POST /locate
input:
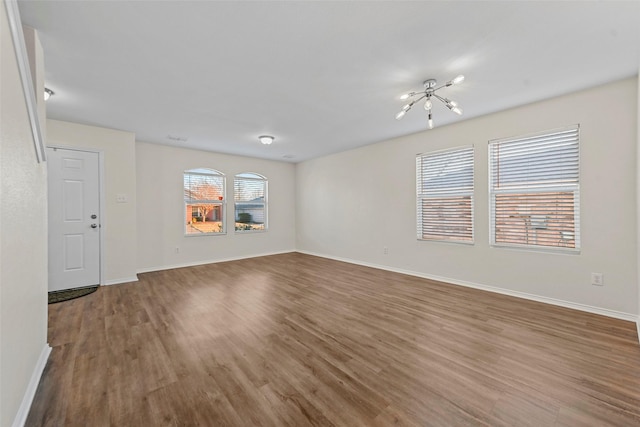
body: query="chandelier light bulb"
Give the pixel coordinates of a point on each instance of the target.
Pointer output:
(453, 106)
(407, 95)
(400, 115)
(459, 79)
(430, 122)
(428, 105)
(47, 93)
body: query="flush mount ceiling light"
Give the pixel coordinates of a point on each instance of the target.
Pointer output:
(266, 139)
(48, 93)
(428, 93)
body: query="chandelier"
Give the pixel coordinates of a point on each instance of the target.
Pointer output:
(428, 93)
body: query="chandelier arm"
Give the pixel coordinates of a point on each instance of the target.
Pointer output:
(422, 95)
(440, 98)
(414, 101)
(440, 87)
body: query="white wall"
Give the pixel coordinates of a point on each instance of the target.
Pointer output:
(161, 208)
(352, 204)
(23, 240)
(119, 223)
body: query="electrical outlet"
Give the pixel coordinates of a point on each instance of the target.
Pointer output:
(121, 198)
(385, 250)
(597, 279)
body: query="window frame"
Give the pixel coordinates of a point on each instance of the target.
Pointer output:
(251, 176)
(530, 189)
(464, 190)
(220, 202)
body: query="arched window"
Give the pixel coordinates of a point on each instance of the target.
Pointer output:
(250, 196)
(204, 200)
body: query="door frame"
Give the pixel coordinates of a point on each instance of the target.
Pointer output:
(101, 198)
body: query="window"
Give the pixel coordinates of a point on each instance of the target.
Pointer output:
(204, 202)
(445, 195)
(250, 194)
(534, 190)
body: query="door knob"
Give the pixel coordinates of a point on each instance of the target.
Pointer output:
(94, 225)
(94, 216)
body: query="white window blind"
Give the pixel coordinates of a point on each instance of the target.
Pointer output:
(534, 190)
(204, 201)
(250, 194)
(445, 195)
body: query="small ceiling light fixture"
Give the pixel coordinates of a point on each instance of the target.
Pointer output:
(266, 139)
(428, 93)
(48, 93)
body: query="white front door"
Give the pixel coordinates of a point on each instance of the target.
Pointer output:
(74, 218)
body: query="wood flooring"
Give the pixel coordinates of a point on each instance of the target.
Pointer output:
(296, 340)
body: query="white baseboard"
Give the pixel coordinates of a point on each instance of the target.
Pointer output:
(211, 261)
(568, 304)
(30, 392)
(121, 280)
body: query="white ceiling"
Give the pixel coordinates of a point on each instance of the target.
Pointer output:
(320, 76)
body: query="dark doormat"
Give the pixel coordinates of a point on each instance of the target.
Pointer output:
(67, 294)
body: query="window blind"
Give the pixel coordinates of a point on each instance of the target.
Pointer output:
(534, 190)
(204, 200)
(444, 182)
(250, 196)
(248, 189)
(203, 186)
